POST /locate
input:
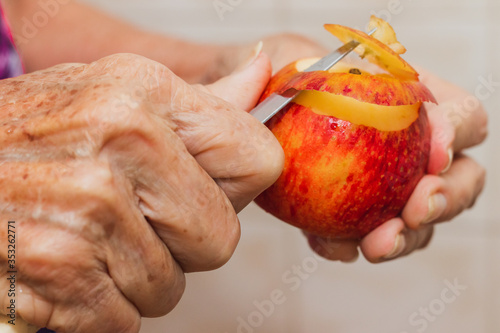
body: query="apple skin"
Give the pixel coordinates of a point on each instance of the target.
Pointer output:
(376, 89)
(341, 180)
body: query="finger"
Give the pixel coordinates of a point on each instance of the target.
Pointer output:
(393, 240)
(334, 249)
(245, 85)
(51, 300)
(232, 146)
(186, 208)
(442, 138)
(440, 198)
(122, 127)
(459, 120)
(255, 163)
(56, 287)
(99, 229)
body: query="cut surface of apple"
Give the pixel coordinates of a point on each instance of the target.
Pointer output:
(383, 118)
(375, 51)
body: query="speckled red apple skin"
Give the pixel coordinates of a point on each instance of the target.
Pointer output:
(342, 180)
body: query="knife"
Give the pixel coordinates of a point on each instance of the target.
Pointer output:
(275, 102)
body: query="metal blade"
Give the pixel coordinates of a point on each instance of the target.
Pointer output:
(274, 103)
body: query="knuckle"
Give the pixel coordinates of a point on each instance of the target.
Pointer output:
(135, 61)
(100, 200)
(97, 186)
(123, 64)
(136, 68)
(219, 234)
(120, 108)
(130, 58)
(468, 195)
(228, 240)
(225, 244)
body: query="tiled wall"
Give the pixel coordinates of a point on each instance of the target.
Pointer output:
(458, 39)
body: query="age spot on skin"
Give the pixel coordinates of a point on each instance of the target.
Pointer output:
(30, 136)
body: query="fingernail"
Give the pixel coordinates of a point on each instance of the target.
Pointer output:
(252, 57)
(350, 259)
(437, 205)
(399, 246)
(450, 160)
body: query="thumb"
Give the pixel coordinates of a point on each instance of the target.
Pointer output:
(244, 86)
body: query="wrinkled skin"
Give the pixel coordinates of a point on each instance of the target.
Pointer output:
(459, 179)
(121, 178)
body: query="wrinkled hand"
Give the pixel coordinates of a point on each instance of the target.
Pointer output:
(452, 185)
(121, 177)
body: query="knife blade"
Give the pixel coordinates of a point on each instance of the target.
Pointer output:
(275, 102)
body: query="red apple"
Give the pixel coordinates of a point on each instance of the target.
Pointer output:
(356, 143)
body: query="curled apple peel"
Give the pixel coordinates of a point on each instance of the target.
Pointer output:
(385, 34)
(376, 51)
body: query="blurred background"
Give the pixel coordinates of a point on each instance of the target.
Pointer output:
(274, 283)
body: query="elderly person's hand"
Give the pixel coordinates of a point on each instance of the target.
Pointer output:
(120, 178)
(452, 185)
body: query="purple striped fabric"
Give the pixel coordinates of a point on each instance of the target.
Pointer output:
(10, 62)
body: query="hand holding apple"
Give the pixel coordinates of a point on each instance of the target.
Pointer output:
(452, 175)
(383, 241)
